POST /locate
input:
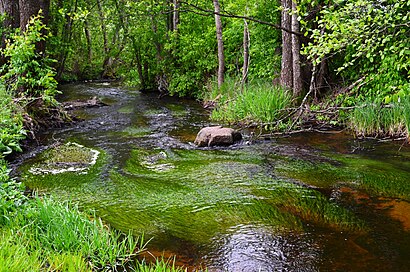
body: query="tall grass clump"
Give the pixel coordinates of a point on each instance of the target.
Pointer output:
(254, 102)
(47, 235)
(59, 237)
(63, 228)
(376, 119)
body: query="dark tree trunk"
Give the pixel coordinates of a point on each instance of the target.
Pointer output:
(29, 8)
(286, 74)
(297, 77)
(11, 9)
(12, 20)
(221, 56)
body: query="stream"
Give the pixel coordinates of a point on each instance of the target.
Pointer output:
(309, 202)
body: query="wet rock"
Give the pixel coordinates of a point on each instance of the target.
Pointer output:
(91, 103)
(217, 136)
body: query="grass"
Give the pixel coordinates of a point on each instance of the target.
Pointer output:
(375, 119)
(48, 235)
(259, 102)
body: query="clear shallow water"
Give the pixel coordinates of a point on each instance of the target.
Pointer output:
(310, 202)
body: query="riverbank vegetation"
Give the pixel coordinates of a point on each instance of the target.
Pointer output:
(331, 56)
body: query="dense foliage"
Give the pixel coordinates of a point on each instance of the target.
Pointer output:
(370, 42)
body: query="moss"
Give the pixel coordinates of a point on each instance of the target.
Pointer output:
(48, 173)
(70, 157)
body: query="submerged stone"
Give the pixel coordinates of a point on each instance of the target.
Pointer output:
(70, 157)
(217, 136)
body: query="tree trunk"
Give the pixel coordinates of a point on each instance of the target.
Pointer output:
(11, 9)
(66, 38)
(246, 55)
(89, 41)
(175, 18)
(297, 77)
(221, 56)
(286, 74)
(29, 8)
(11, 21)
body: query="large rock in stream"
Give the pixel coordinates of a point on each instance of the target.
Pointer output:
(217, 136)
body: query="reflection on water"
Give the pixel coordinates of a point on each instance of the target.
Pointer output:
(310, 202)
(255, 248)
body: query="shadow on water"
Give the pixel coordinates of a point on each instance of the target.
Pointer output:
(310, 202)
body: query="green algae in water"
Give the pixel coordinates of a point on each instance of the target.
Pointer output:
(136, 131)
(378, 177)
(177, 110)
(199, 195)
(208, 192)
(126, 110)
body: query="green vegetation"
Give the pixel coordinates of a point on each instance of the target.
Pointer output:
(195, 194)
(352, 52)
(60, 236)
(356, 55)
(382, 120)
(252, 102)
(41, 233)
(47, 234)
(376, 177)
(11, 124)
(27, 75)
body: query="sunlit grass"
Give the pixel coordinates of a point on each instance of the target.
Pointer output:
(374, 119)
(259, 102)
(50, 233)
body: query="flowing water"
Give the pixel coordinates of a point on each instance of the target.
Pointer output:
(310, 202)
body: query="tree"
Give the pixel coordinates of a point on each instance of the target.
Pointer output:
(290, 76)
(246, 54)
(175, 15)
(221, 56)
(10, 10)
(286, 74)
(29, 8)
(296, 63)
